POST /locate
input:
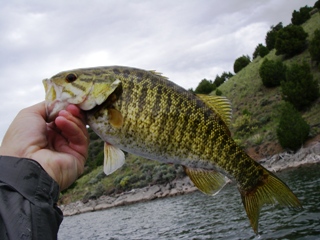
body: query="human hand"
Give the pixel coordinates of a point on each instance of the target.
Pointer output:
(60, 147)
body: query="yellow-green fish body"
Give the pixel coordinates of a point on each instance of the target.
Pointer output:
(144, 113)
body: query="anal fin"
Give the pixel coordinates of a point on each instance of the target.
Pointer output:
(208, 181)
(113, 159)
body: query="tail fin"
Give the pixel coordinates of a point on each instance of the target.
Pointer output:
(269, 191)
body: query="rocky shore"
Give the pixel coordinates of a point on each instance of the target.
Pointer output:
(276, 163)
(177, 187)
(285, 160)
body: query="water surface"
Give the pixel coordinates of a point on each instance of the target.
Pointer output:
(197, 216)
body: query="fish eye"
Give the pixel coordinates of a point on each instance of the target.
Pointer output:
(71, 77)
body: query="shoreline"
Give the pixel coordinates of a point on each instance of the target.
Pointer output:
(174, 188)
(275, 163)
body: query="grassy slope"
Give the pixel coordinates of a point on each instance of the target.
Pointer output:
(247, 94)
(244, 90)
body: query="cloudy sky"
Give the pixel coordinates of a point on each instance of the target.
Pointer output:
(186, 40)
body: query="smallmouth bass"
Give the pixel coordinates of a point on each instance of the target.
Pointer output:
(144, 113)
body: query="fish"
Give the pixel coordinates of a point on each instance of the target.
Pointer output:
(144, 113)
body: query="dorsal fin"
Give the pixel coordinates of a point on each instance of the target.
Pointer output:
(159, 74)
(219, 104)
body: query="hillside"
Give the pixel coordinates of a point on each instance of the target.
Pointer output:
(248, 96)
(255, 132)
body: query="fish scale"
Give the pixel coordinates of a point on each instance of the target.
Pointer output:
(166, 142)
(144, 113)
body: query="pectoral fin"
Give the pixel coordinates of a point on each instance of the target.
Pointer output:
(115, 118)
(208, 181)
(113, 158)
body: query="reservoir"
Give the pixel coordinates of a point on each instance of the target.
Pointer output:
(197, 216)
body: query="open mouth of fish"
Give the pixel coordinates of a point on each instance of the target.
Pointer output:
(54, 104)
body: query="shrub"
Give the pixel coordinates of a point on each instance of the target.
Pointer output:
(314, 47)
(218, 92)
(125, 181)
(299, 17)
(244, 125)
(272, 36)
(240, 63)
(292, 130)
(98, 191)
(272, 73)
(260, 50)
(205, 87)
(99, 159)
(300, 88)
(291, 41)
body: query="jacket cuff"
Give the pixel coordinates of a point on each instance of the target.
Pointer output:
(28, 178)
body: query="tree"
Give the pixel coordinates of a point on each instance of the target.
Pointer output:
(291, 41)
(272, 36)
(272, 72)
(299, 88)
(299, 17)
(260, 50)
(314, 46)
(227, 75)
(224, 77)
(240, 63)
(292, 130)
(205, 87)
(317, 4)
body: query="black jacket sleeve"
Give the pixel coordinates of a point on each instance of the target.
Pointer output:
(28, 197)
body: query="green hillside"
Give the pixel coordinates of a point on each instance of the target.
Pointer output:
(251, 99)
(255, 117)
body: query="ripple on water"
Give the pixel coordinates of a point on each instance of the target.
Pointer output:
(197, 216)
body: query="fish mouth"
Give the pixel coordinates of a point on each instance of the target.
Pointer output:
(53, 104)
(53, 108)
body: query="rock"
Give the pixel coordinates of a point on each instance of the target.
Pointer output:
(86, 209)
(150, 194)
(286, 160)
(91, 203)
(103, 206)
(132, 198)
(192, 189)
(165, 193)
(120, 200)
(173, 192)
(70, 212)
(105, 199)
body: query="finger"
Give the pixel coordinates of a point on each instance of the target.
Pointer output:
(80, 123)
(76, 137)
(71, 130)
(76, 111)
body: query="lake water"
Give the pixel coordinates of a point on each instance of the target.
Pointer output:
(197, 216)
